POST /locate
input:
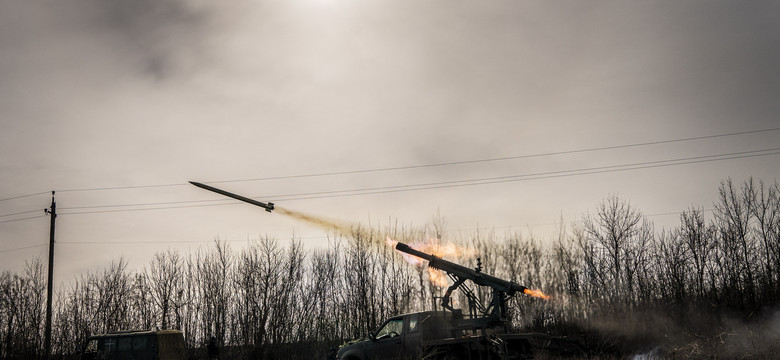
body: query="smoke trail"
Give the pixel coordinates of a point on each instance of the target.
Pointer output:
(342, 228)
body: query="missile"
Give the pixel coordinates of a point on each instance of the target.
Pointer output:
(268, 207)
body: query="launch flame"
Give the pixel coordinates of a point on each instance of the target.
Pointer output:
(537, 293)
(436, 248)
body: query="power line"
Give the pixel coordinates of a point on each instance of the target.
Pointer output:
(20, 213)
(145, 209)
(138, 242)
(24, 196)
(174, 242)
(376, 170)
(570, 222)
(481, 181)
(409, 167)
(27, 218)
(535, 176)
(502, 158)
(21, 248)
(153, 204)
(459, 183)
(122, 187)
(323, 237)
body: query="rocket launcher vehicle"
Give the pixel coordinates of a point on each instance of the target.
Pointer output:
(496, 311)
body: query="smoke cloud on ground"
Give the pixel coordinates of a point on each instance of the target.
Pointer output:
(666, 333)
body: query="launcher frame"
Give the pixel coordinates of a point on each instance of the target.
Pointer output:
(480, 316)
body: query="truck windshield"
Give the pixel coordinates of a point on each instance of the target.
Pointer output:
(391, 328)
(131, 345)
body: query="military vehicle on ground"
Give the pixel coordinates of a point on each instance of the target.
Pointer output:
(135, 344)
(483, 333)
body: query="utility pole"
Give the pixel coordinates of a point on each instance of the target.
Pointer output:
(53, 212)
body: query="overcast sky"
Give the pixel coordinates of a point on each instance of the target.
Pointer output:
(106, 101)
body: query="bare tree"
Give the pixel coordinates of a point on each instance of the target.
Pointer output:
(766, 211)
(610, 233)
(213, 273)
(319, 298)
(521, 260)
(567, 263)
(165, 284)
(360, 284)
(673, 265)
(733, 212)
(22, 299)
(699, 240)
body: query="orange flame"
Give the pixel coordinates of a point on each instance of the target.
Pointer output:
(437, 277)
(537, 293)
(390, 242)
(436, 248)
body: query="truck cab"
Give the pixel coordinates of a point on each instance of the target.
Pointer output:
(135, 344)
(408, 336)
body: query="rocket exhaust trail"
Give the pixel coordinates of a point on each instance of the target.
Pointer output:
(326, 224)
(343, 228)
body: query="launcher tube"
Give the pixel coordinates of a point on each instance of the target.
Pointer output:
(461, 271)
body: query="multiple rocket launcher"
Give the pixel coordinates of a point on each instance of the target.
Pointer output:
(463, 272)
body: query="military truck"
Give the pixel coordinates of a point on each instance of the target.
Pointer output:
(482, 333)
(135, 344)
(434, 335)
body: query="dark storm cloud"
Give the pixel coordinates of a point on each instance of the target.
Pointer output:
(154, 37)
(158, 32)
(63, 62)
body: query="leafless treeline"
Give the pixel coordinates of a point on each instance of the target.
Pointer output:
(275, 297)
